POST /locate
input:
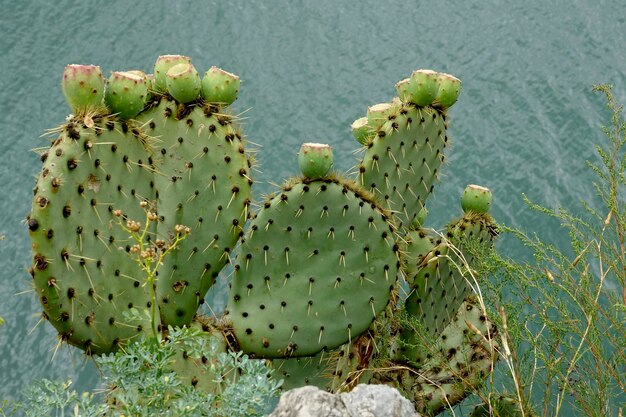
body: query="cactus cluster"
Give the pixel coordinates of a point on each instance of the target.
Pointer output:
(130, 143)
(144, 196)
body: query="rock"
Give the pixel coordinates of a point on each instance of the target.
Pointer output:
(377, 401)
(309, 401)
(363, 401)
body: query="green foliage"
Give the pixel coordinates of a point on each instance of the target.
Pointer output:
(138, 383)
(562, 314)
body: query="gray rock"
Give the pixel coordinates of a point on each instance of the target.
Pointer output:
(377, 401)
(363, 401)
(309, 401)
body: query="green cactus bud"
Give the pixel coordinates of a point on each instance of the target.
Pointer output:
(362, 131)
(219, 86)
(449, 90)
(183, 82)
(315, 160)
(83, 87)
(420, 89)
(162, 65)
(126, 93)
(379, 114)
(476, 199)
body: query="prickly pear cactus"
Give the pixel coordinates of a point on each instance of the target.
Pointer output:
(184, 161)
(446, 334)
(144, 195)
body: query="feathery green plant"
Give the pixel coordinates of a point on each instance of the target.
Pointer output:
(562, 315)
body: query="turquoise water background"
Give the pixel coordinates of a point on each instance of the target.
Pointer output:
(526, 120)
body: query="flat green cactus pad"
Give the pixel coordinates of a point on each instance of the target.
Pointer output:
(463, 355)
(317, 266)
(440, 278)
(403, 155)
(203, 181)
(85, 276)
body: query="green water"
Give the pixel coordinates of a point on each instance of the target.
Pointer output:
(524, 123)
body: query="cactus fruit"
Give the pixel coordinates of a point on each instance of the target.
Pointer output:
(220, 87)
(315, 160)
(183, 82)
(449, 90)
(126, 93)
(83, 87)
(144, 196)
(361, 130)
(420, 89)
(162, 66)
(476, 198)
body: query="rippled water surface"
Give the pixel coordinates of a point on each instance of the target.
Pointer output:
(525, 121)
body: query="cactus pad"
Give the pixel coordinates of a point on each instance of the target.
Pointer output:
(85, 278)
(202, 181)
(403, 157)
(317, 266)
